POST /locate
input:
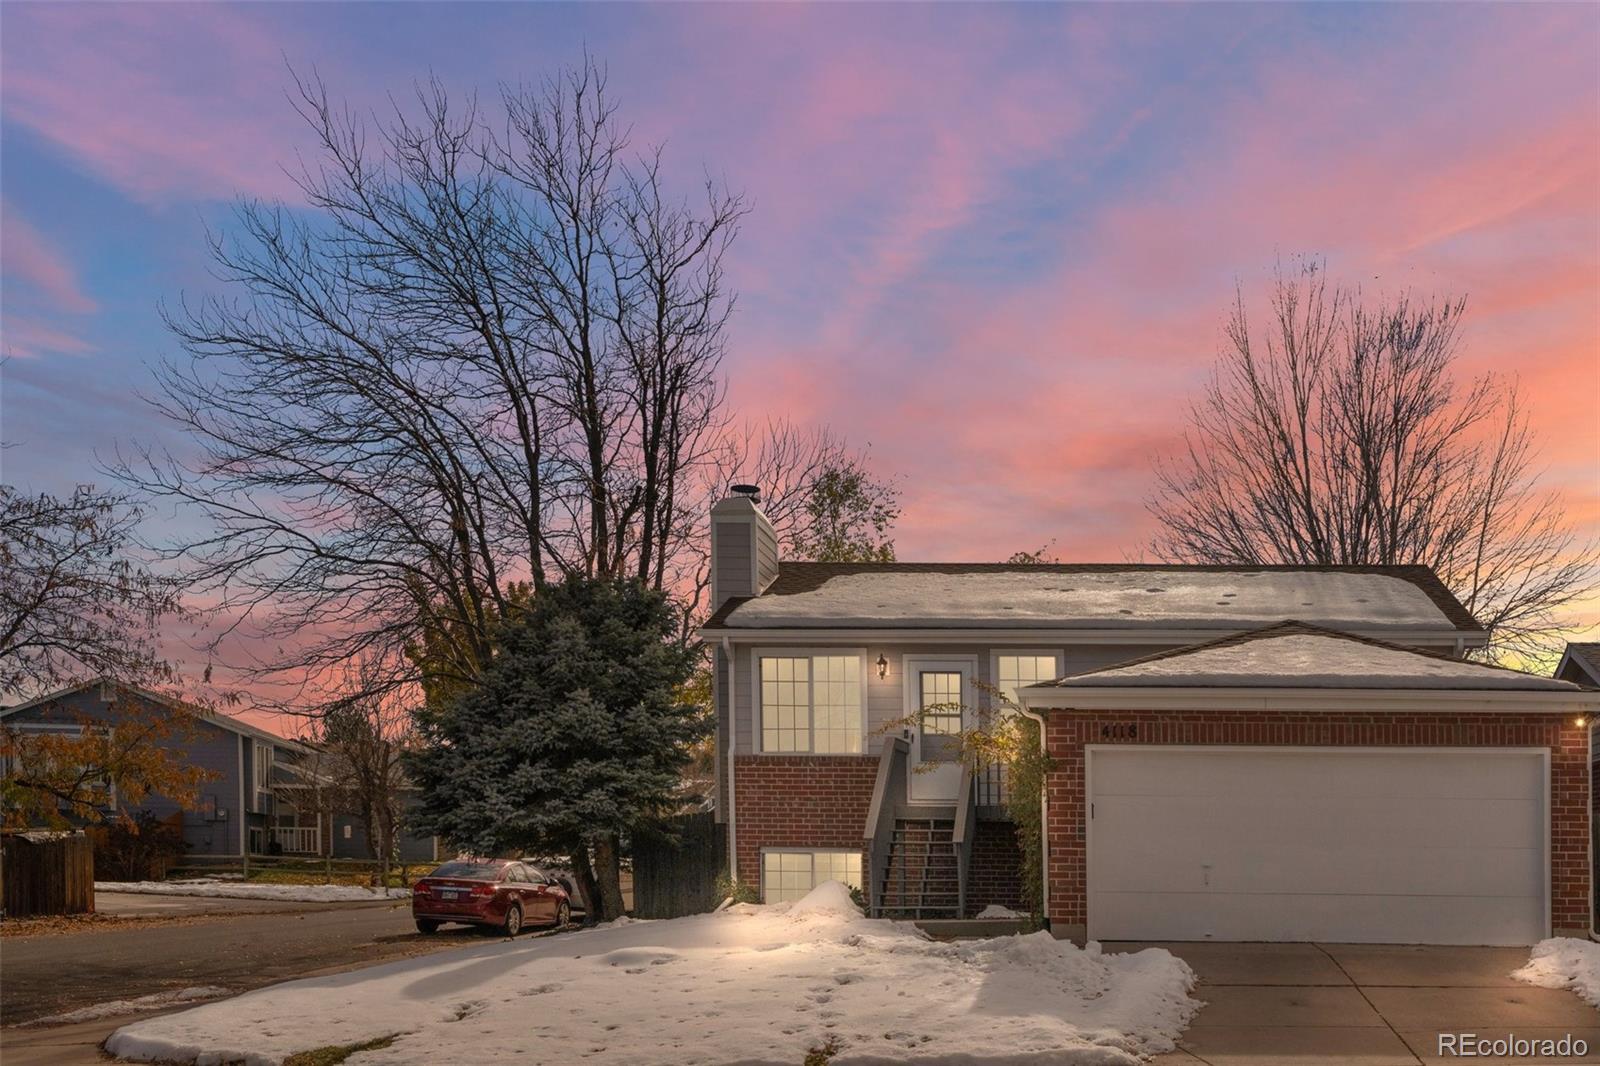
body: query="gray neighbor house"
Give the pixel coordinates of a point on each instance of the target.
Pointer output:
(262, 796)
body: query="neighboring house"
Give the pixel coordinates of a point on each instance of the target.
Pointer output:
(266, 792)
(350, 838)
(1580, 663)
(1218, 773)
(252, 795)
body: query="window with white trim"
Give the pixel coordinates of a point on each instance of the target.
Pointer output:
(811, 703)
(261, 764)
(789, 875)
(1014, 671)
(941, 702)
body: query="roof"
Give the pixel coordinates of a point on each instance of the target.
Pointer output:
(1297, 655)
(1582, 659)
(1397, 599)
(216, 718)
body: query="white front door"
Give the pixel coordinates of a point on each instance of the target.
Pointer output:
(1351, 845)
(939, 692)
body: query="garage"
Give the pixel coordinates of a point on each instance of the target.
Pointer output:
(1295, 783)
(1361, 845)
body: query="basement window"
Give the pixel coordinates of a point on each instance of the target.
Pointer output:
(788, 874)
(811, 703)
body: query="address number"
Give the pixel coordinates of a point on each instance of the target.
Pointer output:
(1123, 731)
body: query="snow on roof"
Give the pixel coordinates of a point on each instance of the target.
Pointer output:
(1294, 655)
(1135, 597)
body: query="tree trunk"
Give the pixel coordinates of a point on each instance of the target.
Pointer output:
(583, 873)
(608, 873)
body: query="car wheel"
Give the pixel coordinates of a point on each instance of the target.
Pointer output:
(563, 914)
(427, 927)
(513, 923)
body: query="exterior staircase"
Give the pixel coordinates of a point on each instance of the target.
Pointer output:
(923, 874)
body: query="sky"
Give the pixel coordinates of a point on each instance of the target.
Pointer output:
(994, 243)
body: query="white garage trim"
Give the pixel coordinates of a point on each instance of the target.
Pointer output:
(1541, 754)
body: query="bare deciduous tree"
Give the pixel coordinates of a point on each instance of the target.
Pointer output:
(74, 600)
(1340, 435)
(488, 357)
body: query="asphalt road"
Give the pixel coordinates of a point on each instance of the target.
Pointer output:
(48, 975)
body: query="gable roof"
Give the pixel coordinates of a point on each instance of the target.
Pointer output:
(216, 718)
(1390, 599)
(1580, 659)
(1297, 655)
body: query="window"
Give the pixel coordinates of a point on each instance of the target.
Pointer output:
(788, 875)
(941, 702)
(1014, 671)
(811, 703)
(261, 778)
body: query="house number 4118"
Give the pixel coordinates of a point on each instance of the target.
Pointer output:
(1120, 731)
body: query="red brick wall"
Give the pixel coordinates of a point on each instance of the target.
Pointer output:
(800, 801)
(1068, 732)
(995, 873)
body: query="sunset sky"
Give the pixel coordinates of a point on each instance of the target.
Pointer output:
(994, 243)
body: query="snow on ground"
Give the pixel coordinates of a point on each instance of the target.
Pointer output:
(994, 910)
(113, 1008)
(236, 890)
(1565, 962)
(750, 984)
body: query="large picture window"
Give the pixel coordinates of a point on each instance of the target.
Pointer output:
(811, 703)
(789, 875)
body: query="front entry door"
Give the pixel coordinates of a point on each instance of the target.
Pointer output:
(939, 691)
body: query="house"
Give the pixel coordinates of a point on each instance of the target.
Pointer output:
(1239, 753)
(1580, 664)
(265, 793)
(254, 784)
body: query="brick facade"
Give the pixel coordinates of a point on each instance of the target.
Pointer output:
(800, 801)
(1068, 732)
(995, 873)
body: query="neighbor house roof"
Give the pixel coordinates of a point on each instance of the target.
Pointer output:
(216, 718)
(1297, 655)
(1397, 599)
(1581, 662)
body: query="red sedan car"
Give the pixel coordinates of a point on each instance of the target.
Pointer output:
(498, 894)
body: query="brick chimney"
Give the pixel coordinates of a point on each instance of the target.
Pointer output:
(744, 548)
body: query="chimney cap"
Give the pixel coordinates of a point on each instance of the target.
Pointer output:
(749, 492)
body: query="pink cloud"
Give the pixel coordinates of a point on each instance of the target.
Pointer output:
(27, 256)
(163, 101)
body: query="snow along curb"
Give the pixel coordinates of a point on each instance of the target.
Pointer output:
(237, 890)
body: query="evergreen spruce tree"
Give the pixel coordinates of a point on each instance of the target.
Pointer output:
(575, 736)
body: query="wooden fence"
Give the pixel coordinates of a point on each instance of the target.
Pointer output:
(675, 871)
(46, 873)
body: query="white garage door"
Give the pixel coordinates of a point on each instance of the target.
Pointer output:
(1369, 845)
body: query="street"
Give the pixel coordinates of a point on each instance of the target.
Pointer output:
(234, 944)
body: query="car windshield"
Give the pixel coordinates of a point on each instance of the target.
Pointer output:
(483, 871)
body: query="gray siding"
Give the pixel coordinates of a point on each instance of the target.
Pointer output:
(210, 747)
(412, 848)
(766, 555)
(730, 555)
(885, 699)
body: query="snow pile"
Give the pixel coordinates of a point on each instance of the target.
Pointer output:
(750, 984)
(236, 890)
(994, 910)
(1565, 963)
(115, 1007)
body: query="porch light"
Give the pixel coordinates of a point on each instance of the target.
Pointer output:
(883, 667)
(1580, 721)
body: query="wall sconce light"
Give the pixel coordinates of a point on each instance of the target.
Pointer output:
(1581, 721)
(883, 667)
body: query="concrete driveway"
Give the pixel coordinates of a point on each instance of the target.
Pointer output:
(1363, 1004)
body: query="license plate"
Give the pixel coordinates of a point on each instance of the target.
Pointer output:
(449, 893)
